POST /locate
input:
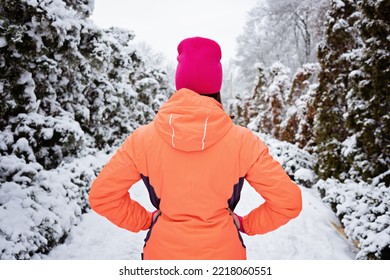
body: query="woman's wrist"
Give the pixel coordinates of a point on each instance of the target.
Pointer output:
(240, 219)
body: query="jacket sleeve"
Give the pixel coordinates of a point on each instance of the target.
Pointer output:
(283, 198)
(109, 195)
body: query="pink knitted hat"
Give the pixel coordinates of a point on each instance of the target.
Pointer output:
(199, 67)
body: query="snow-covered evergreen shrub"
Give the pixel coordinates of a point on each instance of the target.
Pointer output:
(41, 77)
(38, 207)
(296, 162)
(46, 139)
(364, 210)
(67, 88)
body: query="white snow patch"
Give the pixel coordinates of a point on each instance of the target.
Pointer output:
(338, 3)
(304, 174)
(310, 236)
(3, 42)
(349, 145)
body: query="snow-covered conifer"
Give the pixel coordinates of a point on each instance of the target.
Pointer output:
(272, 107)
(336, 56)
(368, 98)
(298, 122)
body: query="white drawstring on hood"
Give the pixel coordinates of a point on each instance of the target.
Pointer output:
(173, 130)
(204, 132)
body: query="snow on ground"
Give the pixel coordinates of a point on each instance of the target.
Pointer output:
(310, 236)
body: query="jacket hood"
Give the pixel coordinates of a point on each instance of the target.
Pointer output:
(191, 122)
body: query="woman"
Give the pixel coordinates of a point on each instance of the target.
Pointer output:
(193, 161)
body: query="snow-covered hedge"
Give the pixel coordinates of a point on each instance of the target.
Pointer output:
(67, 88)
(39, 207)
(364, 210)
(296, 162)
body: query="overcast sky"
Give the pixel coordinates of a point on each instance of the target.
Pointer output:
(164, 23)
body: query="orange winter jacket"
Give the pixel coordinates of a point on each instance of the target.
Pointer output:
(193, 161)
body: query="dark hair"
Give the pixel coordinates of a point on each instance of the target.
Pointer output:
(216, 96)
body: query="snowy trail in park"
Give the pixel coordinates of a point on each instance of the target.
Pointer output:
(311, 236)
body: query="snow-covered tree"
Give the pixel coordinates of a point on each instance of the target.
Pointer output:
(272, 100)
(237, 109)
(353, 92)
(298, 122)
(122, 91)
(84, 7)
(338, 55)
(255, 99)
(280, 30)
(368, 98)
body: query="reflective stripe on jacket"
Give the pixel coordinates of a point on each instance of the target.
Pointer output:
(194, 160)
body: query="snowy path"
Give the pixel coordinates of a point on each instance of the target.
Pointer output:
(308, 237)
